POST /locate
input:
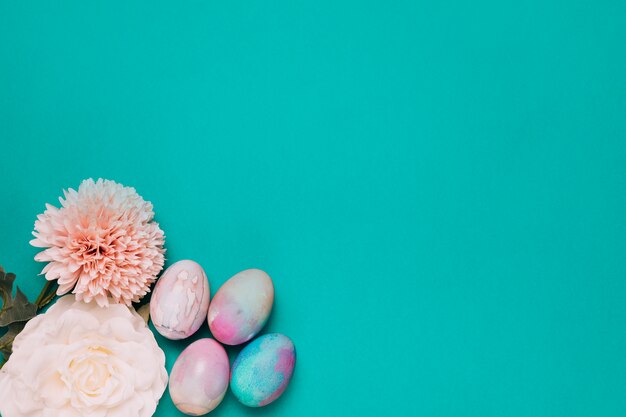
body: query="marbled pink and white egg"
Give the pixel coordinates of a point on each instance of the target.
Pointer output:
(241, 307)
(199, 377)
(180, 300)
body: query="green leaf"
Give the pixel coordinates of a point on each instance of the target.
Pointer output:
(6, 341)
(14, 309)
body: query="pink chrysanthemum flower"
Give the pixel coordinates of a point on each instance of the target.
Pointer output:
(102, 243)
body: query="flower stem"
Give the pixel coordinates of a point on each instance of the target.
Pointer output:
(44, 298)
(47, 299)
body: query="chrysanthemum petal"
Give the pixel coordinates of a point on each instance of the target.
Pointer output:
(102, 243)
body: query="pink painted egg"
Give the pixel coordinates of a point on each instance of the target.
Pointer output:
(180, 300)
(241, 307)
(199, 377)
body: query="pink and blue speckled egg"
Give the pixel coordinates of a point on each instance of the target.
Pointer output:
(199, 377)
(180, 300)
(263, 370)
(241, 307)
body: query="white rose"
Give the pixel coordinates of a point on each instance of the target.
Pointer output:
(82, 360)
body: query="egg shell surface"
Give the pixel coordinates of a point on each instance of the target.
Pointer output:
(180, 300)
(199, 377)
(241, 307)
(263, 369)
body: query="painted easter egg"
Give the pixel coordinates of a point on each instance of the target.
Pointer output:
(263, 370)
(241, 307)
(180, 300)
(199, 377)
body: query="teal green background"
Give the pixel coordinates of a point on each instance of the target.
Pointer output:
(437, 190)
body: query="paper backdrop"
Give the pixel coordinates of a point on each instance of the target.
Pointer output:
(436, 188)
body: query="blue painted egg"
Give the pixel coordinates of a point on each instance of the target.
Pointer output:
(263, 370)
